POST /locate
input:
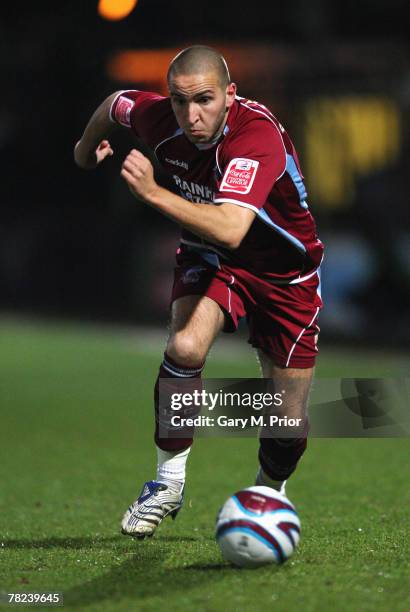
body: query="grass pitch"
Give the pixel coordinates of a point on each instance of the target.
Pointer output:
(76, 445)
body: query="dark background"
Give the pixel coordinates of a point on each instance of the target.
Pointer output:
(76, 244)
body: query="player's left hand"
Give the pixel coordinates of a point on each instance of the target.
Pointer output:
(138, 173)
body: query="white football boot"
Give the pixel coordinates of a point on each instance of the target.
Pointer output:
(154, 503)
(262, 480)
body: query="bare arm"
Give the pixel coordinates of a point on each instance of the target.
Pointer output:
(225, 224)
(93, 148)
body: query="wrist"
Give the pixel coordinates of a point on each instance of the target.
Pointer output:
(155, 197)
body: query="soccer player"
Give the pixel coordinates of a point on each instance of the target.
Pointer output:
(248, 248)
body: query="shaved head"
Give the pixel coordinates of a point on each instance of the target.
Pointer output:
(201, 93)
(199, 59)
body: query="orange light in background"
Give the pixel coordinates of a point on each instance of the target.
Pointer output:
(150, 66)
(114, 10)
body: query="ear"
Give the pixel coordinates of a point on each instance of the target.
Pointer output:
(230, 95)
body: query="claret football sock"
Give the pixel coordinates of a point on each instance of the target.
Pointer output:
(278, 457)
(171, 465)
(174, 380)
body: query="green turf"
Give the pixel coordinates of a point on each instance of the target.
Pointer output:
(76, 424)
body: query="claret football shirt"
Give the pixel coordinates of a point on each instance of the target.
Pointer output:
(253, 164)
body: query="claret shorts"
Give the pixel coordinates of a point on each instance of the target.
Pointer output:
(282, 319)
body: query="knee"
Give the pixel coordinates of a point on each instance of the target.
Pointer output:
(186, 350)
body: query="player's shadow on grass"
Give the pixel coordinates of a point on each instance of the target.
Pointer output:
(145, 571)
(145, 575)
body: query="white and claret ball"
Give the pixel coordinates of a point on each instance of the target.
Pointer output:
(257, 526)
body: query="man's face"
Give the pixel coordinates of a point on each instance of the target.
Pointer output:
(200, 105)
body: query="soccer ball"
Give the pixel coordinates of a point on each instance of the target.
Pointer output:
(256, 526)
